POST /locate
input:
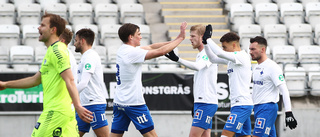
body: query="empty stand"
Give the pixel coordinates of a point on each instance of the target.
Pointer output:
(313, 13)
(314, 81)
(241, 14)
(56, 8)
(291, 13)
(77, 55)
(7, 13)
(132, 13)
(266, 13)
(309, 56)
(109, 35)
(284, 54)
(296, 81)
(305, 2)
(246, 32)
(39, 53)
(102, 51)
(80, 13)
(145, 34)
(317, 34)
(30, 35)
(4, 54)
(28, 14)
(45, 3)
(95, 2)
(300, 34)
(280, 2)
(106, 14)
(22, 55)
(255, 2)
(9, 35)
(275, 34)
(121, 2)
(18, 3)
(228, 3)
(70, 2)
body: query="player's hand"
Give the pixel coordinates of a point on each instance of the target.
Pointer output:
(183, 28)
(84, 114)
(207, 34)
(290, 120)
(2, 85)
(172, 56)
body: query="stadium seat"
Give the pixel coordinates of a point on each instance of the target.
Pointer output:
(102, 51)
(300, 34)
(275, 34)
(305, 2)
(4, 54)
(80, 13)
(39, 53)
(317, 34)
(266, 13)
(109, 35)
(7, 13)
(279, 2)
(18, 3)
(30, 35)
(45, 3)
(284, 54)
(291, 13)
(69, 2)
(313, 13)
(159, 32)
(121, 2)
(56, 8)
(3, 1)
(152, 12)
(94, 28)
(255, 2)
(296, 81)
(95, 2)
(309, 56)
(241, 14)
(9, 35)
(106, 14)
(314, 81)
(112, 56)
(246, 32)
(145, 34)
(132, 13)
(21, 54)
(228, 3)
(5, 68)
(29, 14)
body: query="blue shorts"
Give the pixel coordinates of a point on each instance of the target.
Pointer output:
(239, 120)
(139, 115)
(265, 116)
(203, 114)
(99, 118)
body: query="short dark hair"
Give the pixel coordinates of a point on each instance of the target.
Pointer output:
(86, 34)
(67, 36)
(56, 21)
(126, 30)
(260, 40)
(230, 36)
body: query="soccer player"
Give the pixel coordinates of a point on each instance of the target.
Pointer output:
(90, 85)
(129, 104)
(267, 81)
(66, 38)
(59, 89)
(239, 71)
(204, 84)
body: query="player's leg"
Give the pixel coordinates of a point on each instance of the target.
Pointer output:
(102, 131)
(196, 131)
(246, 129)
(206, 133)
(237, 118)
(99, 123)
(83, 127)
(120, 121)
(265, 116)
(141, 118)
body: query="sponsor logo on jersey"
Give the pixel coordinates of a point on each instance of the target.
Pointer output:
(232, 118)
(261, 72)
(57, 132)
(205, 57)
(281, 78)
(258, 82)
(198, 114)
(260, 122)
(37, 125)
(87, 66)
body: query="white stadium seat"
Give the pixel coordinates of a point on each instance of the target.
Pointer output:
(314, 81)
(145, 34)
(69, 2)
(228, 3)
(241, 14)
(313, 13)
(275, 34)
(255, 2)
(279, 2)
(246, 32)
(21, 54)
(77, 55)
(80, 13)
(56, 8)
(18, 3)
(284, 54)
(45, 3)
(266, 13)
(291, 13)
(30, 35)
(4, 54)
(305, 2)
(309, 56)
(102, 51)
(39, 53)
(9, 35)
(7, 13)
(29, 14)
(109, 35)
(132, 13)
(121, 2)
(296, 81)
(95, 2)
(106, 14)
(317, 34)
(300, 34)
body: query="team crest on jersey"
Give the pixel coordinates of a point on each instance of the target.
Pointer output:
(57, 132)
(281, 78)
(205, 57)
(261, 72)
(87, 66)
(232, 118)
(198, 114)
(260, 122)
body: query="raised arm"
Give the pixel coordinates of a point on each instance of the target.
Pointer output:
(27, 82)
(189, 64)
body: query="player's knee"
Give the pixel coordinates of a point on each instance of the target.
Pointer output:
(146, 130)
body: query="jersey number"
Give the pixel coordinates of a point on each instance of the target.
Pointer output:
(118, 75)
